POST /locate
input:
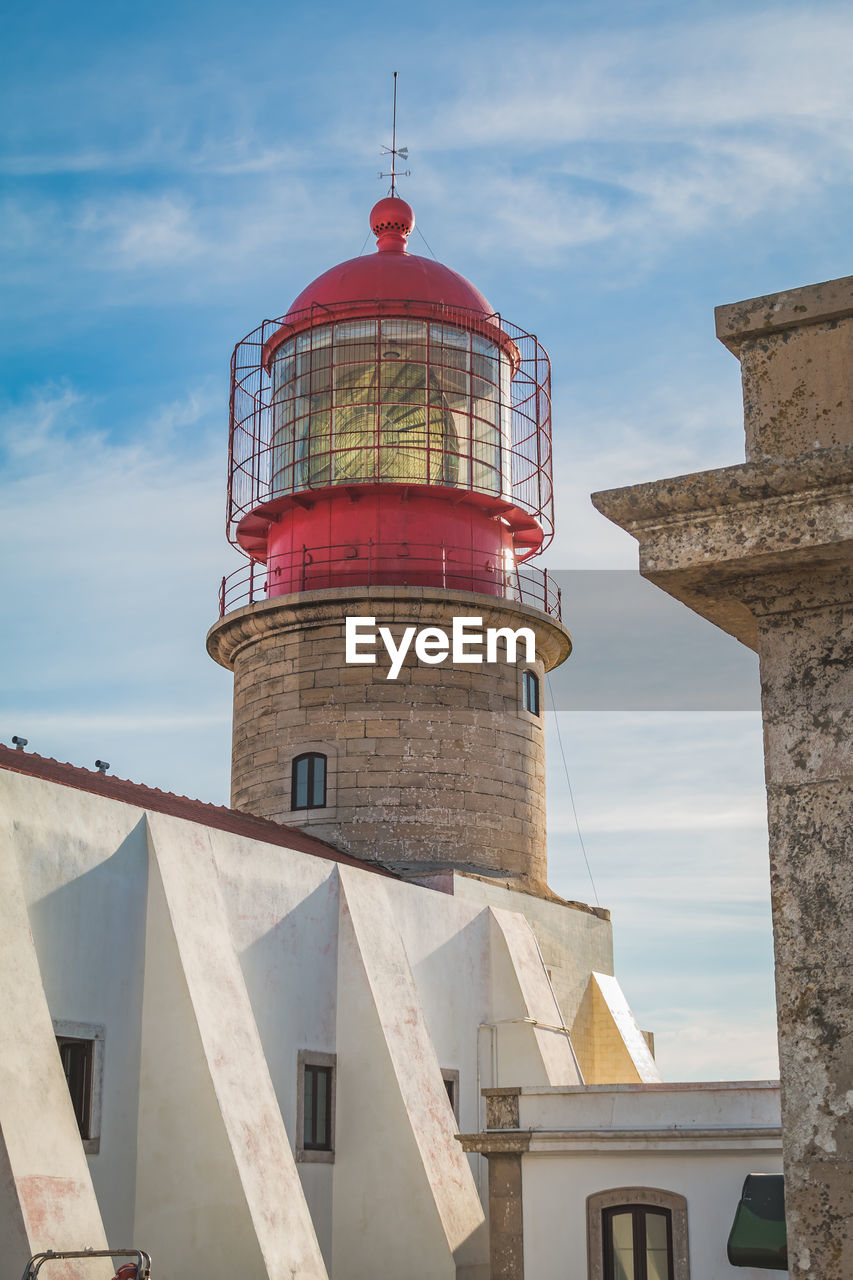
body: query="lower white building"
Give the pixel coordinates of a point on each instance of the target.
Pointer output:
(251, 1055)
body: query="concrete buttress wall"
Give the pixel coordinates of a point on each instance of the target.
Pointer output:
(209, 1120)
(522, 998)
(398, 1160)
(611, 1047)
(48, 1201)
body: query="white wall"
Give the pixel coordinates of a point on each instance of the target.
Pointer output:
(114, 952)
(574, 941)
(83, 863)
(555, 1188)
(697, 1140)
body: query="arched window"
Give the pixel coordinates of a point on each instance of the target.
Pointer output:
(637, 1243)
(637, 1233)
(308, 781)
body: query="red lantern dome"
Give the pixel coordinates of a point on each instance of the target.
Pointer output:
(381, 282)
(391, 428)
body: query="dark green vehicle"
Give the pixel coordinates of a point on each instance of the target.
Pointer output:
(758, 1237)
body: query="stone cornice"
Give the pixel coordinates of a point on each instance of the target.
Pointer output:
(710, 1138)
(306, 610)
(710, 538)
(496, 1141)
(818, 472)
(737, 322)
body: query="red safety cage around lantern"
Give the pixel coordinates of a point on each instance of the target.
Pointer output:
(381, 396)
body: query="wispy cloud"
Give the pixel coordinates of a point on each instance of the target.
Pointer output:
(639, 135)
(82, 722)
(142, 232)
(704, 1044)
(99, 530)
(114, 548)
(666, 80)
(621, 138)
(688, 813)
(167, 155)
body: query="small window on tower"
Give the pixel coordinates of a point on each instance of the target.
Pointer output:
(530, 692)
(315, 1121)
(308, 781)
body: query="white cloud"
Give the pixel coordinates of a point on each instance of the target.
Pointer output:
(101, 533)
(664, 81)
(635, 136)
(142, 231)
(132, 722)
(698, 812)
(613, 138)
(711, 1044)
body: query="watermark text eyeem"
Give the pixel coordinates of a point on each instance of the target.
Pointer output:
(468, 642)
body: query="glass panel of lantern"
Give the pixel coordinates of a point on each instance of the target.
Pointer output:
(396, 400)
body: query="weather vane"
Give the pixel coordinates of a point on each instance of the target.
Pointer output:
(396, 153)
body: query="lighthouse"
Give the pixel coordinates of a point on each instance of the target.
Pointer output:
(390, 481)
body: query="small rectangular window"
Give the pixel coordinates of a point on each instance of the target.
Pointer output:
(450, 1076)
(78, 1060)
(530, 692)
(315, 1109)
(81, 1053)
(317, 1128)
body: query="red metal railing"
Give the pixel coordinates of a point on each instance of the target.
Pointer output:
(482, 420)
(399, 564)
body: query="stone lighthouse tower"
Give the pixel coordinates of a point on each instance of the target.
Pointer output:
(390, 475)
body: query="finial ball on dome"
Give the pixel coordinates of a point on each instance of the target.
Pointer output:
(394, 215)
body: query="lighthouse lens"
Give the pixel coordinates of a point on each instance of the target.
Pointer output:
(390, 401)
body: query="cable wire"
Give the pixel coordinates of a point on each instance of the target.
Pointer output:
(426, 242)
(571, 793)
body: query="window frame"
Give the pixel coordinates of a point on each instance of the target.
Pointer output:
(637, 1198)
(529, 678)
(92, 1035)
(639, 1214)
(309, 1060)
(312, 1075)
(311, 757)
(450, 1076)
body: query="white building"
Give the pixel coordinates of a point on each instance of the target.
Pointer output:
(211, 959)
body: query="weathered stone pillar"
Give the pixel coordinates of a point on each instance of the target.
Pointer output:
(503, 1144)
(765, 551)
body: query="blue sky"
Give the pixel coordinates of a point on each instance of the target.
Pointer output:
(172, 174)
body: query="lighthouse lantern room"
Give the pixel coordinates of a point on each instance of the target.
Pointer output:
(391, 428)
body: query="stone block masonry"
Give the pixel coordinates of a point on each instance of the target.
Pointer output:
(441, 767)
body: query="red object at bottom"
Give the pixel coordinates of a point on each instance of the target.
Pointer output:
(391, 536)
